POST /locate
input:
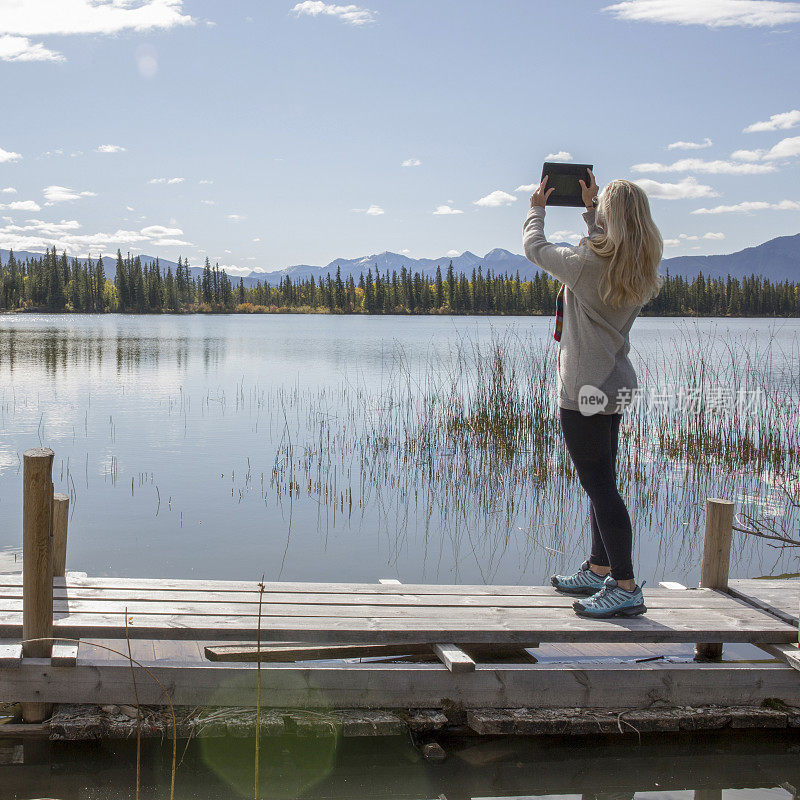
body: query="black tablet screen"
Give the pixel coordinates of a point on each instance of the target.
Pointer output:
(564, 179)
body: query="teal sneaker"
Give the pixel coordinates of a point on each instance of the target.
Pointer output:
(583, 582)
(612, 601)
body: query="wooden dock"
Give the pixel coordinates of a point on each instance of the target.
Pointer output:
(385, 645)
(172, 621)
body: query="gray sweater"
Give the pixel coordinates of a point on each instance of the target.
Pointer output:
(595, 337)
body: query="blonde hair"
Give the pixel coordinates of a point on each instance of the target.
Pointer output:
(630, 242)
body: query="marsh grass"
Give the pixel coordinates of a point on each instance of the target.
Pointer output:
(474, 449)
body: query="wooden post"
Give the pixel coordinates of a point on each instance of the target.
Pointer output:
(716, 561)
(60, 520)
(37, 563)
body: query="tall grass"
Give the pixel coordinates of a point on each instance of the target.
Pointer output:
(475, 447)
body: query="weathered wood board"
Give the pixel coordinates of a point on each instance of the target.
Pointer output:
(777, 596)
(409, 685)
(87, 608)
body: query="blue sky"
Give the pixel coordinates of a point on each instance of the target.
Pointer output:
(264, 134)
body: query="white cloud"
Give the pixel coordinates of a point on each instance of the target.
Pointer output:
(411, 162)
(495, 199)
(256, 238)
(351, 14)
(747, 155)
(205, 182)
(777, 122)
(8, 155)
(452, 253)
(711, 13)
(561, 155)
(8, 190)
(63, 194)
(166, 180)
(129, 208)
(22, 205)
(21, 48)
(372, 211)
(686, 189)
(566, 236)
(445, 210)
(686, 237)
(786, 148)
(718, 167)
(110, 148)
(527, 187)
(751, 205)
(690, 145)
(209, 202)
(68, 17)
(21, 20)
(234, 217)
(37, 234)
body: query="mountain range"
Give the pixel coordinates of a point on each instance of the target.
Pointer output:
(778, 259)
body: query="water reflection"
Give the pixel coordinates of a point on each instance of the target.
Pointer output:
(756, 766)
(57, 351)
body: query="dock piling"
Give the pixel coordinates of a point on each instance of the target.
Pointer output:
(716, 560)
(60, 522)
(37, 564)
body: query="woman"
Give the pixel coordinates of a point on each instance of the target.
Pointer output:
(606, 279)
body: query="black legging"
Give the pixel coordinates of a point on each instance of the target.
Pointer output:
(592, 443)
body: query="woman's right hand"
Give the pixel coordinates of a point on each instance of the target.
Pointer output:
(588, 193)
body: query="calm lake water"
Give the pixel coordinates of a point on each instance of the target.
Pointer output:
(168, 433)
(756, 766)
(230, 446)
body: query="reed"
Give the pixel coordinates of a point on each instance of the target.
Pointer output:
(474, 447)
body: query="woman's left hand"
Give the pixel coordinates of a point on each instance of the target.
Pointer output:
(539, 197)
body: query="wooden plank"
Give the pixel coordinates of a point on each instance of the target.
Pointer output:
(172, 651)
(411, 685)
(780, 598)
(10, 653)
(100, 600)
(788, 653)
(65, 654)
(454, 658)
(252, 587)
(310, 652)
(738, 623)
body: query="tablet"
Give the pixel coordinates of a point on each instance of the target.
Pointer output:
(564, 179)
